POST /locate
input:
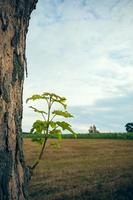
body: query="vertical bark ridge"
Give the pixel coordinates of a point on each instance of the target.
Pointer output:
(14, 21)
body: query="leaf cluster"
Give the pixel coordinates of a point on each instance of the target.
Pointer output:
(48, 124)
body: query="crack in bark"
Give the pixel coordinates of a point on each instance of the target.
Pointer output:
(4, 21)
(5, 88)
(16, 38)
(6, 116)
(18, 69)
(5, 173)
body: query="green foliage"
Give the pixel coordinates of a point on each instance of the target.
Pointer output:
(39, 127)
(38, 111)
(57, 133)
(62, 114)
(34, 97)
(49, 96)
(122, 136)
(47, 126)
(52, 124)
(66, 126)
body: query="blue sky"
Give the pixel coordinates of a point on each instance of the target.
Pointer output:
(82, 49)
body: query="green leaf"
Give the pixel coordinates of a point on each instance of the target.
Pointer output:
(52, 124)
(35, 97)
(38, 127)
(62, 113)
(61, 102)
(38, 111)
(65, 126)
(53, 96)
(57, 133)
(56, 98)
(75, 135)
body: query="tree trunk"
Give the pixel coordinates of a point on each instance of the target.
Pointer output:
(14, 21)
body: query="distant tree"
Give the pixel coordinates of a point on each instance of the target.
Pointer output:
(129, 127)
(48, 125)
(90, 129)
(93, 129)
(14, 22)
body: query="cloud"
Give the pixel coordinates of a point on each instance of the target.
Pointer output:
(82, 50)
(107, 115)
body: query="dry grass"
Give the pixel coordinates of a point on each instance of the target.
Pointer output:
(82, 170)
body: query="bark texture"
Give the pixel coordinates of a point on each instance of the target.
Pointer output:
(14, 21)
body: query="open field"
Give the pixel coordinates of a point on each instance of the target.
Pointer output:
(82, 170)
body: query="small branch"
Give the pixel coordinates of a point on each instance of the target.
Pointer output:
(43, 117)
(46, 136)
(34, 166)
(52, 102)
(44, 144)
(53, 118)
(40, 155)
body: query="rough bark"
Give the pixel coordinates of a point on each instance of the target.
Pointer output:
(14, 21)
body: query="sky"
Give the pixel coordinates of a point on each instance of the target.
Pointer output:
(82, 49)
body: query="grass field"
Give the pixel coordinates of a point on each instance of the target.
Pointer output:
(82, 170)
